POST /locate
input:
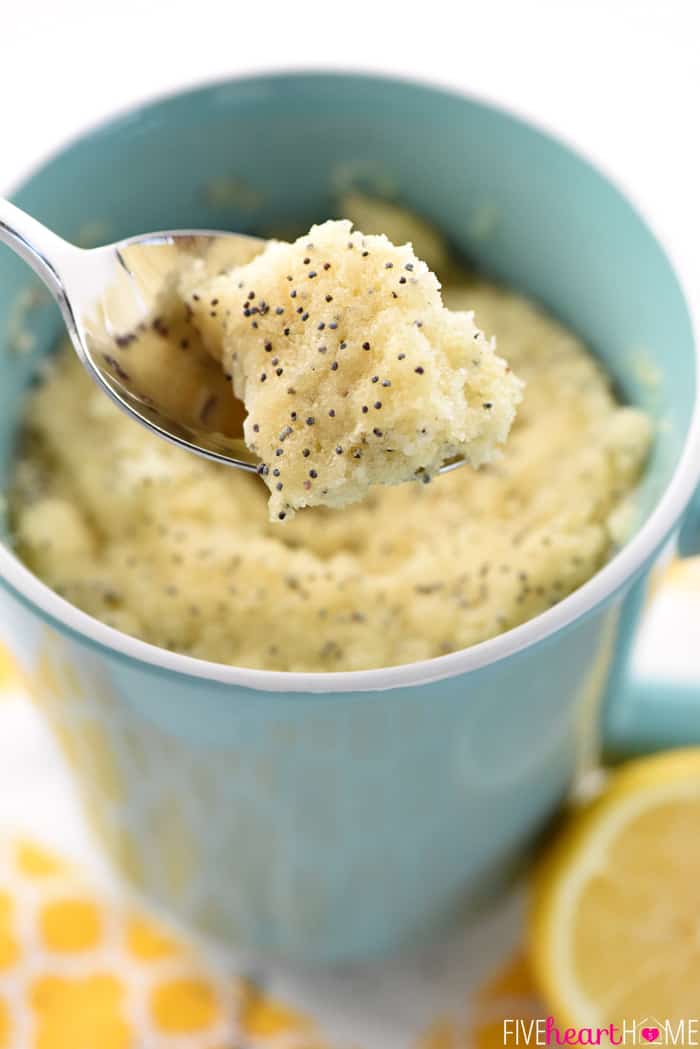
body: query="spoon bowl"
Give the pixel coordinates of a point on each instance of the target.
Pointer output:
(110, 298)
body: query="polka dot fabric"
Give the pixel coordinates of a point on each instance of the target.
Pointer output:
(81, 971)
(78, 971)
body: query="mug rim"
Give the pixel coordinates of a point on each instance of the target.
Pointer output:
(622, 567)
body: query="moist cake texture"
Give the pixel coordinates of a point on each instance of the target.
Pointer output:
(180, 552)
(352, 371)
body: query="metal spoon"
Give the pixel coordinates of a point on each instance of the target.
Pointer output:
(110, 297)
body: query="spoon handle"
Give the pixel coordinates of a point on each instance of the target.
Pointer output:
(43, 250)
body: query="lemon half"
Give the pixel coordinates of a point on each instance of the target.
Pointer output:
(614, 930)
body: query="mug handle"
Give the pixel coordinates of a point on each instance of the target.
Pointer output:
(641, 714)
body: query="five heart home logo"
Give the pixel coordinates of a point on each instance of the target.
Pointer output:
(650, 1031)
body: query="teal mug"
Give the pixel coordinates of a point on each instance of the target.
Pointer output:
(340, 816)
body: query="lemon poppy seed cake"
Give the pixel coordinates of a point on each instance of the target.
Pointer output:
(352, 371)
(181, 552)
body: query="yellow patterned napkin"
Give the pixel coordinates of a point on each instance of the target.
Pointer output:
(81, 971)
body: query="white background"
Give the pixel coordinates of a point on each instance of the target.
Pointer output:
(620, 78)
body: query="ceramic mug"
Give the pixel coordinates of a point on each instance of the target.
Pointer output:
(338, 816)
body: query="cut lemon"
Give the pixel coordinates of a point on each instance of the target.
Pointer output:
(614, 928)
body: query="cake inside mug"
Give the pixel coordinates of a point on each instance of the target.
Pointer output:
(182, 552)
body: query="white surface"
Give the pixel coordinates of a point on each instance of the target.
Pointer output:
(620, 78)
(36, 793)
